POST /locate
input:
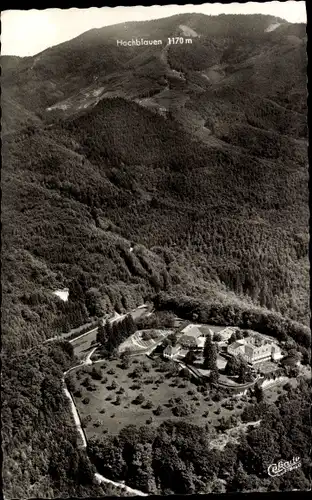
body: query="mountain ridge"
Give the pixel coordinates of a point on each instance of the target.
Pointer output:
(159, 141)
(105, 56)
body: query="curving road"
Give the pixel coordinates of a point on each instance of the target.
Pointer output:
(88, 361)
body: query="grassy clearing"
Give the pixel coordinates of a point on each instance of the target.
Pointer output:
(145, 392)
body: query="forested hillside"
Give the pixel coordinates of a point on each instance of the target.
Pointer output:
(237, 220)
(172, 174)
(39, 442)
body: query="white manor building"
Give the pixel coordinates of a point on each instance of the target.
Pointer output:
(255, 349)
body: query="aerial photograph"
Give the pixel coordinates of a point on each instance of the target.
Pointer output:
(155, 315)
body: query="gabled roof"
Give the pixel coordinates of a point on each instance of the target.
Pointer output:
(188, 339)
(236, 344)
(204, 329)
(192, 331)
(170, 349)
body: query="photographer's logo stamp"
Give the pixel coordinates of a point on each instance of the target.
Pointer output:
(283, 466)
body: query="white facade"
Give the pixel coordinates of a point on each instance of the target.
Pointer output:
(170, 351)
(276, 353)
(255, 349)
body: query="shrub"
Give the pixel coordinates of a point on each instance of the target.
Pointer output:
(149, 380)
(136, 373)
(96, 374)
(125, 363)
(78, 394)
(184, 373)
(158, 411)
(181, 410)
(103, 410)
(217, 337)
(86, 401)
(135, 387)
(149, 420)
(146, 335)
(70, 382)
(287, 387)
(112, 415)
(86, 381)
(117, 401)
(139, 399)
(111, 371)
(85, 421)
(97, 423)
(148, 405)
